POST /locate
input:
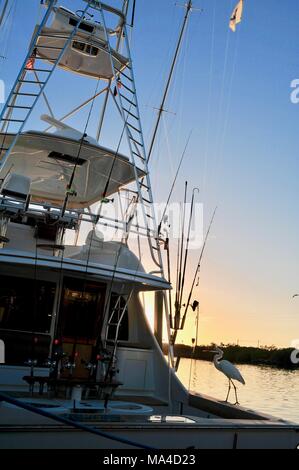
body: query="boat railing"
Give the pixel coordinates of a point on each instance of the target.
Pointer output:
(11, 207)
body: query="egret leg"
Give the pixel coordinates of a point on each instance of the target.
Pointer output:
(236, 395)
(229, 387)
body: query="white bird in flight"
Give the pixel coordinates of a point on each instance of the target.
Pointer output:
(229, 370)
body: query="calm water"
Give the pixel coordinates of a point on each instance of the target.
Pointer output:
(269, 390)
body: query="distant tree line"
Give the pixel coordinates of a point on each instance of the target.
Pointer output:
(267, 355)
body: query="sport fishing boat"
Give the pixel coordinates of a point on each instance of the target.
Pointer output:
(83, 368)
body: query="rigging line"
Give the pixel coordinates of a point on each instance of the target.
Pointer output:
(57, 304)
(197, 271)
(177, 50)
(187, 245)
(228, 107)
(174, 182)
(35, 299)
(208, 129)
(7, 33)
(43, 94)
(77, 108)
(113, 163)
(160, 72)
(69, 186)
(168, 146)
(224, 74)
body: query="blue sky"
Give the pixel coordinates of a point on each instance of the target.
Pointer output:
(233, 91)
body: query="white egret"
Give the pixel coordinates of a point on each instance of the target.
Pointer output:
(229, 370)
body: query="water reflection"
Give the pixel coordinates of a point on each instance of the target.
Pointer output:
(269, 390)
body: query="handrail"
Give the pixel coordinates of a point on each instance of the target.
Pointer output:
(83, 427)
(98, 4)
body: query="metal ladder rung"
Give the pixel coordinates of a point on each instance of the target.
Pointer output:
(40, 70)
(136, 141)
(131, 114)
(3, 149)
(133, 127)
(32, 81)
(138, 155)
(127, 99)
(12, 120)
(144, 185)
(25, 94)
(127, 88)
(125, 75)
(17, 106)
(147, 200)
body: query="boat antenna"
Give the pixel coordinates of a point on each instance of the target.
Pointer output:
(173, 183)
(188, 7)
(196, 274)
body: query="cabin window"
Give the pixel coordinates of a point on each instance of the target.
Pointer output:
(91, 50)
(117, 306)
(81, 310)
(26, 307)
(79, 46)
(85, 48)
(26, 304)
(82, 25)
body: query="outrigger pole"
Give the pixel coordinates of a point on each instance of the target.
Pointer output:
(2, 14)
(174, 61)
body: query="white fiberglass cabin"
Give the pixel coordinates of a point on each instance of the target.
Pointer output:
(48, 160)
(87, 54)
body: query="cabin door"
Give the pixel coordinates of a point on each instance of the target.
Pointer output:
(80, 322)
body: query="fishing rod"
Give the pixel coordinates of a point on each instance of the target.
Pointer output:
(187, 245)
(196, 274)
(174, 61)
(173, 183)
(179, 268)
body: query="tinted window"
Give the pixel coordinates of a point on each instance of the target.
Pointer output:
(81, 309)
(26, 304)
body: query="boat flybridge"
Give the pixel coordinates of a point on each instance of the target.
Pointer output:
(80, 256)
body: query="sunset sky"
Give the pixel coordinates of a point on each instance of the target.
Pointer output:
(232, 90)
